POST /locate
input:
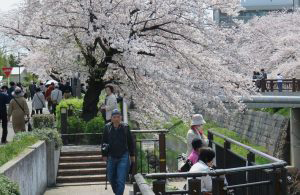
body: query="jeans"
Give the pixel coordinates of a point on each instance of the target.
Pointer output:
(3, 118)
(117, 171)
(279, 86)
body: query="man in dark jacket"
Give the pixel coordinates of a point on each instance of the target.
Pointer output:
(11, 89)
(119, 139)
(4, 99)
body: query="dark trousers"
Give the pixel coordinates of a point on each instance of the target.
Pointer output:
(3, 118)
(37, 111)
(54, 109)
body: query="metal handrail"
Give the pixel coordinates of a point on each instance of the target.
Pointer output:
(250, 149)
(142, 184)
(217, 172)
(150, 131)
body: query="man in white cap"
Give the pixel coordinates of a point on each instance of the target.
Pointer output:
(196, 131)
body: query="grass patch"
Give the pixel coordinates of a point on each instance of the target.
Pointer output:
(236, 149)
(13, 149)
(281, 111)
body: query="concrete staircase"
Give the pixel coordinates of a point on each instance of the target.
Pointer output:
(80, 167)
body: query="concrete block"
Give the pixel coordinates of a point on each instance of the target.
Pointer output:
(29, 170)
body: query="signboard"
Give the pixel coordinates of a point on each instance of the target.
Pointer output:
(7, 71)
(148, 145)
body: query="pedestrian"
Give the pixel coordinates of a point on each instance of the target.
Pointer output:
(110, 103)
(279, 82)
(18, 109)
(197, 145)
(205, 164)
(11, 89)
(38, 102)
(56, 97)
(43, 88)
(4, 99)
(117, 136)
(48, 96)
(196, 131)
(32, 89)
(264, 75)
(67, 91)
(254, 77)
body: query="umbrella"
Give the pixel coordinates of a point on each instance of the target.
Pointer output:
(51, 81)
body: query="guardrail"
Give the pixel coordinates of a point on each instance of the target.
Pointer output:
(271, 85)
(242, 174)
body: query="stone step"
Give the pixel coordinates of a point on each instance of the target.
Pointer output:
(92, 158)
(78, 172)
(79, 184)
(79, 179)
(80, 153)
(81, 165)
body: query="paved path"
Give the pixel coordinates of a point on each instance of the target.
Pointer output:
(11, 132)
(84, 190)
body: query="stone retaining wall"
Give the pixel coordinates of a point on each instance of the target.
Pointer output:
(260, 128)
(34, 169)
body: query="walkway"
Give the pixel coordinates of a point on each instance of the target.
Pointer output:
(11, 132)
(84, 190)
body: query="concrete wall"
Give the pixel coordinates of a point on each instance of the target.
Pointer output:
(260, 128)
(31, 168)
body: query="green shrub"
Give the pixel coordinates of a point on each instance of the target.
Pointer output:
(14, 148)
(76, 103)
(95, 125)
(46, 134)
(8, 187)
(43, 121)
(75, 125)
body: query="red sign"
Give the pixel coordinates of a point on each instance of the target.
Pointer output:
(7, 71)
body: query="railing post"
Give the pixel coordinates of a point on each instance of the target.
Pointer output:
(283, 186)
(134, 165)
(250, 162)
(159, 187)
(294, 85)
(273, 186)
(136, 188)
(162, 152)
(263, 84)
(194, 186)
(227, 147)
(218, 186)
(210, 137)
(64, 123)
(271, 85)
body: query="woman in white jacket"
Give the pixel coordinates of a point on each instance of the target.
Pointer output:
(38, 101)
(110, 103)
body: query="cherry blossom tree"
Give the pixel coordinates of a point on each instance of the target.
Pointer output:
(271, 42)
(164, 54)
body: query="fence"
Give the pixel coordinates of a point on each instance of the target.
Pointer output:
(271, 85)
(242, 174)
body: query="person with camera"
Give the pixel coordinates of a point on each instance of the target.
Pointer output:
(118, 150)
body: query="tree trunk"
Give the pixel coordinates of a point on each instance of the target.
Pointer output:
(91, 99)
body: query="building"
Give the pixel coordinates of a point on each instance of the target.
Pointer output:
(18, 74)
(254, 8)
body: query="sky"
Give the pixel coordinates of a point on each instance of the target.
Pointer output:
(6, 5)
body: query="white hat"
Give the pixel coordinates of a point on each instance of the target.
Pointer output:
(197, 119)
